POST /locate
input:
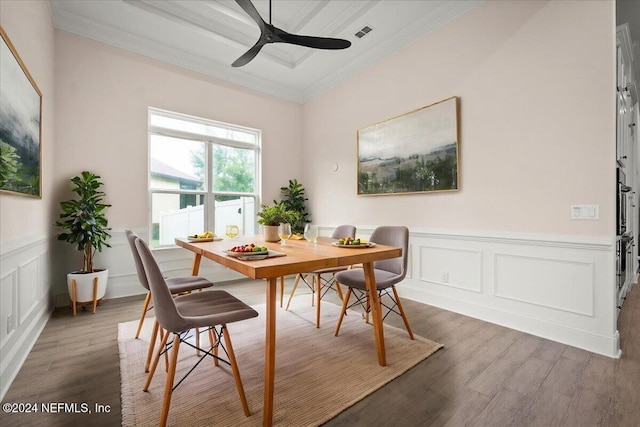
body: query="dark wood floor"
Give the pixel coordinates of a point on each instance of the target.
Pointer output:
(486, 374)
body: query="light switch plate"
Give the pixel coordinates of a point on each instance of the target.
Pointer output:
(589, 212)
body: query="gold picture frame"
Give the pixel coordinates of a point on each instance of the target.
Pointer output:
(416, 152)
(20, 125)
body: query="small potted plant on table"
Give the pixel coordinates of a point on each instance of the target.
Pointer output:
(85, 226)
(272, 216)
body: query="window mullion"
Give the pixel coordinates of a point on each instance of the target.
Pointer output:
(210, 205)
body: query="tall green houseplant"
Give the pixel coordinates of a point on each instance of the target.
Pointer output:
(294, 200)
(83, 219)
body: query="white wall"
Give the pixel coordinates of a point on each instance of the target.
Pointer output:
(102, 126)
(25, 222)
(536, 82)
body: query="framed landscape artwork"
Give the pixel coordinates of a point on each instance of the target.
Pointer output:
(416, 152)
(20, 128)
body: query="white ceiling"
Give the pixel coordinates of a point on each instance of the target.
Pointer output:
(207, 35)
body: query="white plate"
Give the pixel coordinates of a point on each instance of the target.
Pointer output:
(245, 254)
(253, 257)
(360, 246)
(199, 239)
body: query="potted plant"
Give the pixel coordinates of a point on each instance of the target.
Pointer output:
(294, 200)
(85, 226)
(271, 216)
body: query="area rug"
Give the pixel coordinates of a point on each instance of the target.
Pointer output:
(317, 375)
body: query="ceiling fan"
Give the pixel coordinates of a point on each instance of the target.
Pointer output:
(271, 34)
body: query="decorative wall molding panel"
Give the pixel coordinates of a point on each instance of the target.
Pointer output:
(557, 287)
(25, 302)
(559, 284)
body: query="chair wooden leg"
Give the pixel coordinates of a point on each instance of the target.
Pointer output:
(345, 302)
(152, 345)
(338, 289)
(313, 287)
(212, 341)
(318, 297)
(164, 333)
(293, 291)
(236, 371)
(156, 359)
(197, 342)
(170, 377)
(145, 307)
(402, 313)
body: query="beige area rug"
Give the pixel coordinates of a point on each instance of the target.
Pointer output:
(317, 376)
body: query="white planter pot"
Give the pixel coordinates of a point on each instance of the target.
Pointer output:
(271, 233)
(87, 288)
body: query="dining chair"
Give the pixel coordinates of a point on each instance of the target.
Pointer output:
(209, 312)
(387, 273)
(318, 283)
(177, 286)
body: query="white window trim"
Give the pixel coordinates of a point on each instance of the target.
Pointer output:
(209, 207)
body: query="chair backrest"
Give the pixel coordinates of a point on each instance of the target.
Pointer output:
(344, 231)
(393, 236)
(164, 306)
(142, 277)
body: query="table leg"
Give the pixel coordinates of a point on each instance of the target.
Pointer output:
(376, 312)
(195, 267)
(270, 352)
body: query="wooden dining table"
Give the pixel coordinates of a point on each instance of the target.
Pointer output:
(299, 256)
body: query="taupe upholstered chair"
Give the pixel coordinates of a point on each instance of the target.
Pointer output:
(208, 311)
(388, 273)
(177, 286)
(317, 281)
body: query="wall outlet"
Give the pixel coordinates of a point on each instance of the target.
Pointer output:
(444, 278)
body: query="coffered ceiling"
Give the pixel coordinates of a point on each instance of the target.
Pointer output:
(207, 36)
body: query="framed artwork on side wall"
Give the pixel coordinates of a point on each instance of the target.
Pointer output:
(20, 125)
(416, 152)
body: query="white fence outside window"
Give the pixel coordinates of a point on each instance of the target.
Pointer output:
(190, 220)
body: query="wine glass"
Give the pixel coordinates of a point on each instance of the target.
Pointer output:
(311, 233)
(231, 231)
(284, 231)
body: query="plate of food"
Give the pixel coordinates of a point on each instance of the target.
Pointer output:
(350, 242)
(207, 236)
(249, 250)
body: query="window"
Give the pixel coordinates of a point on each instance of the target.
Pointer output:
(203, 175)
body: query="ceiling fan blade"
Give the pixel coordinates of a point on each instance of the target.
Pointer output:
(249, 55)
(314, 42)
(248, 7)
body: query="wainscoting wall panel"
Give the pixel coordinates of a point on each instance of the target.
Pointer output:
(26, 302)
(557, 287)
(8, 302)
(28, 277)
(451, 267)
(559, 284)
